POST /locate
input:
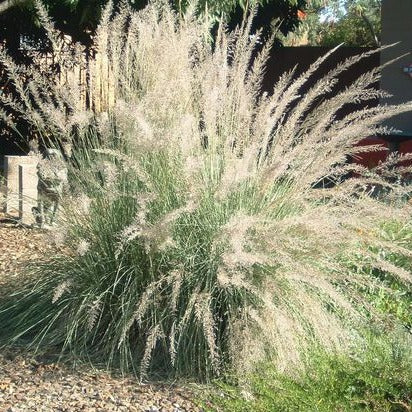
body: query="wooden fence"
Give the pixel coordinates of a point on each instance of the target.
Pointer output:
(90, 75)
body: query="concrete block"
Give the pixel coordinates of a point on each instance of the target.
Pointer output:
(28, 181)
(11, 166)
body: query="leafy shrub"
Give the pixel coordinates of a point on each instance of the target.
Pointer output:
(388, 295)
(197, 237)
(376, 378)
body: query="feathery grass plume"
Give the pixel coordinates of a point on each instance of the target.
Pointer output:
(50, 107)
(209, 245)
(60, 290)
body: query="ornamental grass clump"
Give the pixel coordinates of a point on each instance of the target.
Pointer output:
(196, 236)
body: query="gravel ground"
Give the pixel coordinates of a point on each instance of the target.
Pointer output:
(33, 384)
(18, 246)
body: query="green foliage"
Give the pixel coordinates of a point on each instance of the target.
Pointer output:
(79, 18)
(389, 296)
(333, 22)
(377, 378)
(350, 30)
(397, 302)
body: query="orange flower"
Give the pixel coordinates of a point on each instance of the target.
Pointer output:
(301, 15)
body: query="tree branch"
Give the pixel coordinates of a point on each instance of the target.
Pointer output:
(370, 27)
(8, 4)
